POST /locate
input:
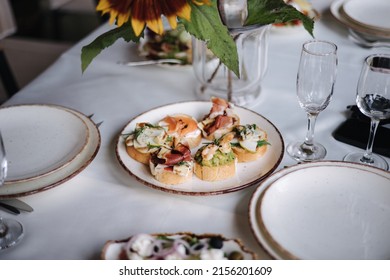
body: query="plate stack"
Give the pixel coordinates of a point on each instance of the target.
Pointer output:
(368, 18)
(325, 210)
(46, 145)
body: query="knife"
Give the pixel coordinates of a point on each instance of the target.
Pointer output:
(10, 208)
(16, 203)
(152, 62)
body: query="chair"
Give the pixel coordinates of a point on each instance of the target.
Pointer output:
(63, 12)
(7, 28)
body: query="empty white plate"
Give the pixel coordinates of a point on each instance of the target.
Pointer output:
(60, 175)
(337, 10)
(40, 139)
(373, 13)
(324, 210)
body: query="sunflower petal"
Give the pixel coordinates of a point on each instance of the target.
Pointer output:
(103, 5)
(156, 25)
(138, 26)
(113, 15)
(172, 21)
(122, 18)
(185, 12)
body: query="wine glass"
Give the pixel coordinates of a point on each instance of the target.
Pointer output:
(373, 100)
(11, 231)
(315, 82)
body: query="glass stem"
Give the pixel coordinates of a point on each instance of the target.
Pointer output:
(367, 157)
(308, 145)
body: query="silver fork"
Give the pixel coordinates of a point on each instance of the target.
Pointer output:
(367, 43)
(90, 117)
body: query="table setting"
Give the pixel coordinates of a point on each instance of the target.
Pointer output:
(364, 28)
(78, 192)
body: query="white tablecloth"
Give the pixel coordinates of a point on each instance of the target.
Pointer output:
(73, 220)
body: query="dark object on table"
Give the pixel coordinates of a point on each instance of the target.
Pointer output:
(355, 130)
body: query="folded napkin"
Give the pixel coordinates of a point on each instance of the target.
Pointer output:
(355, 130)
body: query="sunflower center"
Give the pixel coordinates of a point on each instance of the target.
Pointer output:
(121, 6)
(155, 9)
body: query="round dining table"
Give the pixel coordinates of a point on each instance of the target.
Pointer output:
(74, 219)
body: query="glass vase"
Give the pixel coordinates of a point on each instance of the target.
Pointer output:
(213, 78)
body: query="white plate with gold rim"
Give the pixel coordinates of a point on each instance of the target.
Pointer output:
(323, 210)
(247, 173)
(69, 170)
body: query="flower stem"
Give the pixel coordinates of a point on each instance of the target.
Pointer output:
(203, 88)
(229, 87)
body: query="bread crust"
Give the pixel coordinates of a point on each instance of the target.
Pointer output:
(246, 156)
(215, 173)
(170, 178)
(137, 155)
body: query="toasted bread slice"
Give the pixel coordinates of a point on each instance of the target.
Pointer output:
(170, 178)
(215, 173)
(137, 155)
(246, 156)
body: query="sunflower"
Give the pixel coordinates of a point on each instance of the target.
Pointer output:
(147, 12)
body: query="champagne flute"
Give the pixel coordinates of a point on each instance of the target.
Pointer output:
(315, 82)
(11, 231)
(373, 100)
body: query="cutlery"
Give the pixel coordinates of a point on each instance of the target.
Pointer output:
(16, 203)
(152, 62)
(366, 43)
(10, 208)
(90, 117)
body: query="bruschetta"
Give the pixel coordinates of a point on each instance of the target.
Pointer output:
(250, 142)
(145, 140)
(172, 165)
(183, 128)
(220, 120)
(216, 161)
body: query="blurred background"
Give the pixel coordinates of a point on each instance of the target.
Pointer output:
(33, 33)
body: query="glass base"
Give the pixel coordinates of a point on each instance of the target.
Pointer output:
(247, 99)
(12, 233)
(376, 161)
(305, 153)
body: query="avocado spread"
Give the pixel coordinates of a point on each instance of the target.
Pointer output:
(218, 158)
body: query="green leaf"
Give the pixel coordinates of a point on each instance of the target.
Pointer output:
(262, 143)
(89, 52)
(275, 11)
(206, 25)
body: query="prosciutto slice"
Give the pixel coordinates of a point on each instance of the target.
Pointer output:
(178, 154)
(220, 121)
